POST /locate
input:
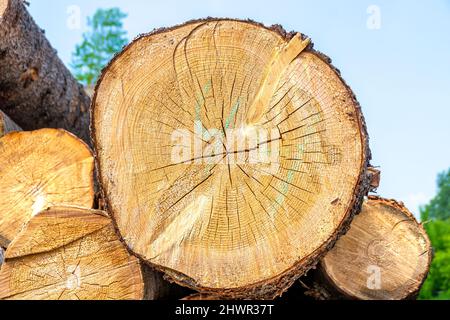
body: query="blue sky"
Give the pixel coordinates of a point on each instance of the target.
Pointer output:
(399, 72)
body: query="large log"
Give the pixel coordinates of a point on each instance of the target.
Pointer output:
(7, 125)
(386, 255)
(67, 253)
(40, 169)
(227, 220)
(36, 89)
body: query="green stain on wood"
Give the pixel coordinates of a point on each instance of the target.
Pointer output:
(279, 200)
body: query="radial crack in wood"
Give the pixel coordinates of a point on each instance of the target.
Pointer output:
(386, 255)
(220, 205)
(70, 253)
(40, 169)
(281, 60)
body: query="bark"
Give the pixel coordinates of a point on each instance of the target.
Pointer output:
(200, 297)
(386, 255)
(39, 169)
(375, 178)
(70, 253)
(7, 125)
(224, 228)
(36, 89)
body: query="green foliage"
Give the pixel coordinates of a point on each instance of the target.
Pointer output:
(104, 39)
(437, 216)
(439, 207)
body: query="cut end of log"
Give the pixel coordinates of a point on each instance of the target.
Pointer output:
(222, 206)
(3, 6)
(70, 253)
(386, 254)
(40, 169)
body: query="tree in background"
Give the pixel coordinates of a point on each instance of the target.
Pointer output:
(105, 38)
(436, 216)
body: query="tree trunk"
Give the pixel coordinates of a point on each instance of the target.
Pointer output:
(386, 255)
(68, 253)
(231, 155)
(39, 169)
(36, 89)
(7, 125)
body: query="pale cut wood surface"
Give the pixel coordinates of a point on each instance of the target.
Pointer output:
(40, 169)
(70, 253)
(229, 229)
(386, 255)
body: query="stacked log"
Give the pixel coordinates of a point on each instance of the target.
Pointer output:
(36, 89)
(231, 158)
(70, 253)
(40, 169)
(386, 255)
(221, 226)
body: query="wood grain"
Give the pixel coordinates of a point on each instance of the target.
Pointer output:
(40, 169)
(70, 253)
(236, 229)
(386, 255)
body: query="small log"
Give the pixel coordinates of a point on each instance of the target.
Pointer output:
(386, 255)
(36, 89)
(40, 169)
(7, 125)
(219, 222)
(68, 253)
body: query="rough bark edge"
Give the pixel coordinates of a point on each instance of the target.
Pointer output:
(200, 297)
(276, 286)
(324, 288)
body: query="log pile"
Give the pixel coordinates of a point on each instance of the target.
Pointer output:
(231, 159)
